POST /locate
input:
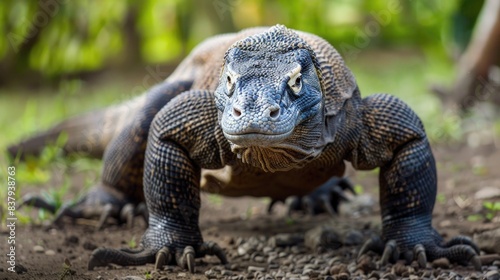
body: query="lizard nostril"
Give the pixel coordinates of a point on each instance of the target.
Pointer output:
(274, 112)
(236, 112)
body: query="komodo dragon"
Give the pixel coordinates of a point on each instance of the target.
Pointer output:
(263, 112)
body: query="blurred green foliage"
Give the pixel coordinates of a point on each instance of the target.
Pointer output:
(56, 38)
(47, 40)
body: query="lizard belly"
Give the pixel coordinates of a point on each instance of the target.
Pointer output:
(241, 180)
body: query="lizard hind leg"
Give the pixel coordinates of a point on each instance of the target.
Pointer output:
(324, 199)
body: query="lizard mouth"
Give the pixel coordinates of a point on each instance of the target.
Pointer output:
(256, 139)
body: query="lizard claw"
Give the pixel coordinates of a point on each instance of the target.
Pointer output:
(163, 257)
(213, 249)
(97, 203)
(374, 244)
(186, 259)
(459, 249)
(391, 253)
(419, 255)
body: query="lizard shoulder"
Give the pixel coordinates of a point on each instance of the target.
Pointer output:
(387, 123)
(190, 120)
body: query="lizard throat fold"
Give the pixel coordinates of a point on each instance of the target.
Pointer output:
(271, 159)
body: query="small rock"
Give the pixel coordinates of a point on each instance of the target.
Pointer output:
(242, 250)
(338, 268)
(280, 274)
(267, 250)
(445, 224)
(273, 265)
(343, 276)
(182, 274)
(210, 274)
(132, 278)
(322, 237)
(71, 240)
(492, 275)
(282, 254)
(285, 240)
(389, 276)
(358, 205)
(399, 269)
(38, 249)
(441, 263)
(487, 193)
(20, 269)
(259, 259)
(50, 252)
(89, 246)
(256, 268)
(488, 241)
(366, 264)
(232, 266)
(374, 274)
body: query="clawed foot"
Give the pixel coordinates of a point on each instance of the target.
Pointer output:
(325, 198)
(97, 203)
(459, 249)
(184, 257)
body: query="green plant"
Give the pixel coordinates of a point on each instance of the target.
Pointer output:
(358, 189)
(215, 199)
(132, 243)
(475, 218)
(441, 198)
(67, 271)
(492, 209)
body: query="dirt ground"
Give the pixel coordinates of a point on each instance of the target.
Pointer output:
(231, 221)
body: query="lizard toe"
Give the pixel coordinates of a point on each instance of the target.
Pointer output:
(213, 249)
(459, 253)
(163, 257)
(37, 201)
(459, 250)
(462, 240)
(374, 244)
(130, 211)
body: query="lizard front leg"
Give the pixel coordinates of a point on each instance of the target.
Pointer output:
(178, 142)
(394, 138)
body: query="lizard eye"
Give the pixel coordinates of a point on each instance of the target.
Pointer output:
(230, 81)
(295, 83)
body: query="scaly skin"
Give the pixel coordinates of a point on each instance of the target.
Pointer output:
(279, 120)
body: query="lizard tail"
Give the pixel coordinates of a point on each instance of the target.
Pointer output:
(87, 134)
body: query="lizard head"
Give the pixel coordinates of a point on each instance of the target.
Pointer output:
(270, 100)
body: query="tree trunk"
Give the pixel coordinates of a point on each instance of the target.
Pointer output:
(472, 83)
